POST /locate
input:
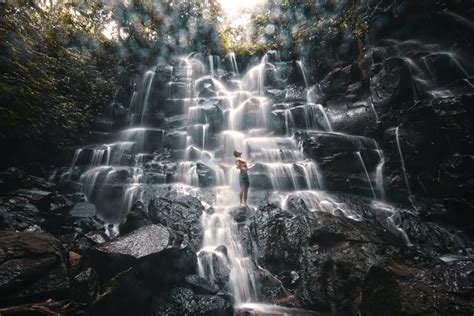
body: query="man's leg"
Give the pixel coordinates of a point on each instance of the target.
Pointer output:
(246, 192)
(241, 196)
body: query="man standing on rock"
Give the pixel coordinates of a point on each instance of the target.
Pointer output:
(243, 177)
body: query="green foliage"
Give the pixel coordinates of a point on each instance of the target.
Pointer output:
(50, 91)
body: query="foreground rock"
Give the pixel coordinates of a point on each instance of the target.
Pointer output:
(155, 252)
(183, 301)
(181, 214)
(124, 294)
(337, 265)
(32, 268)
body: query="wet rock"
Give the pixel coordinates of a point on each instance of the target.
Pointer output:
(335, 83)
(220, 267)
(97, 237)
(77, 197)
(39, 198)
(20, 217)
(400, 289)
(68, 224)
(137, 217)
(69, 187)
(207, 176)
(241, 214)
(182, 301)
(86, 286)
(394, 84)
(59, 203)
(147, 139)
(200, 285)
(260, 179)
(33, 267)
(295, 94)
(271, 222)
(82, 243)
(434, 168)
(339, 264)
(126, 284)
(48, 307)
(83, 209)
(272, 289)
(176, 140)
(182, 214)
(343, 160)
(154, 251)
(12, 178)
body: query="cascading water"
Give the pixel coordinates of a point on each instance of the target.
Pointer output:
(402, 160)
(304, 72)
(369, 180)
(216, 119)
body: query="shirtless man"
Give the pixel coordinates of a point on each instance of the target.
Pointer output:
(243, 177)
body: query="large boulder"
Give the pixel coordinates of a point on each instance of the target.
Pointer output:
(33, 267)
(334, 263)
(20, 217)
(155, 251)
(347, 163)
(124, 294)
(137, 217)
(181, 213)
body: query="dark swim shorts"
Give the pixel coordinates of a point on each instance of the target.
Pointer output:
(244, 180)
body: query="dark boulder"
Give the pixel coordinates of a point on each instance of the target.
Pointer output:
(179, 213)
(200, 285)
(395, 84)
(83, 209)
(39, 198)
(216, 263)
(60, 203)
(20, 217)
(437, 150)
(349, 266)
(156, 252)
(32, 268)
(69, 187)
(343, 160)
(137, 217)
(81, 243)
(183, 301)
(241, 214)
(86, 286)
(124, 294)
(207, 176)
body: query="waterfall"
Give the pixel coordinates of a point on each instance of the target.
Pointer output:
(219, 230)
(233, 61)
(369, 180)
(148, 80)
(194, 155)
(303, 70)
(379, 175)
(402, 160)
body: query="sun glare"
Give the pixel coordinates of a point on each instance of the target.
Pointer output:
(237, 15)
(238, 12)
(236, 6)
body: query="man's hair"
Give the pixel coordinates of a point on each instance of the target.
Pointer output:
(236, 153)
